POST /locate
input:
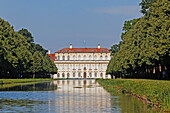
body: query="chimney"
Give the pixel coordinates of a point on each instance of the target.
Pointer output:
(49, 52)
(71, 46)
(98, 46)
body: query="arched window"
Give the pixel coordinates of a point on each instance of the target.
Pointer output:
(101, 75)
(79, 57)
(68, 57)
(79, 74)
(95, 57)
(84, 57)
(90, 57)
(74, 57)
(90, 74)
(95, 74)
(101, 57)
(68, 75)
(58, 57)
(84, 68)
(58, 75)
(106, 57)
(63, 75)
(74, 74)
(63, 57)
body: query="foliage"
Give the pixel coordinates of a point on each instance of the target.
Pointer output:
(26, 34)
(20, 56)
(114, 49)
(145, 5)
(144, 51)
(154, 91)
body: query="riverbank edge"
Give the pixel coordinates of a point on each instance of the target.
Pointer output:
(131, 87)
(13, 81)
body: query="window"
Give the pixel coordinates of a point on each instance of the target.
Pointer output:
(63, 57)
(106, 57)
(95, 74)
(63, 75)
(58, 75)
(74, 57)
(90, 57)
(79, 57)
(84, 57)
(74, 74)
(58, 57)
(90, 74)
(101, 57)
(68, 75)
(68, 57)
(95, 57)
(79, 74)
(101, 75)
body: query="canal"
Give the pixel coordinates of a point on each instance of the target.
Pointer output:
(67, 96)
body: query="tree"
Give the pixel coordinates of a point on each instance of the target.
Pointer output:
(114, 49)
(26, 34)
(19, 55)
(145, 47)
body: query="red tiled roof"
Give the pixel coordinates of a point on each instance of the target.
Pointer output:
(52, 56)
(84, 50)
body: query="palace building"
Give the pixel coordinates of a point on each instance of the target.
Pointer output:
(81, 62)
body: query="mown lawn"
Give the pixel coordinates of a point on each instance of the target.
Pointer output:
(9, 81)
(154, 91)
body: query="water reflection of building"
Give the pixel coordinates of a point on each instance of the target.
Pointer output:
(81, 62)
(81, 96)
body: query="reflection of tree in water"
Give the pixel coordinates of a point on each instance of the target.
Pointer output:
(129, 104)
(11, 105)
(32, 87)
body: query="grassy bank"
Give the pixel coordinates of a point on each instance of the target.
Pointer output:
(4, 83)
(10, 81)
(154, 92)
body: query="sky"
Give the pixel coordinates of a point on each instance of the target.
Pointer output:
(55, 24)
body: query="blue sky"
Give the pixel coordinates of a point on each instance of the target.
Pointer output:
(57, 23)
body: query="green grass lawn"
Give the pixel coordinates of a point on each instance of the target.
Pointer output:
(154, 91)
(9, 81)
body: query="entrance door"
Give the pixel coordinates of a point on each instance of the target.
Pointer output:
(84, 74)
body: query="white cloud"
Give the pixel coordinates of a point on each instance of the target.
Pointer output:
(119, 10)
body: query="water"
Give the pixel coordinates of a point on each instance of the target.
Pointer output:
(67, 96)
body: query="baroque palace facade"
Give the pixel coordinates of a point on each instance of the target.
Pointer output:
(81, 62)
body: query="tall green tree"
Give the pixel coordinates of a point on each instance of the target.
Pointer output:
(145, 46)
(20, 55)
